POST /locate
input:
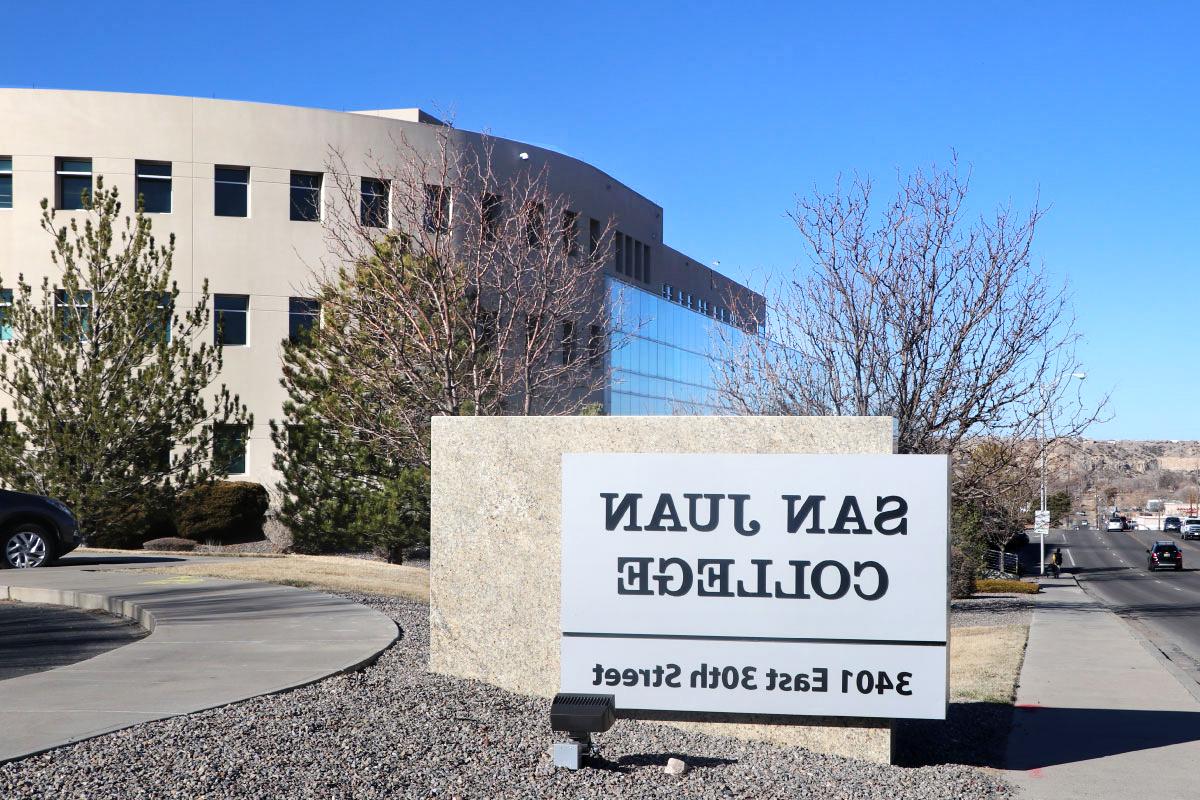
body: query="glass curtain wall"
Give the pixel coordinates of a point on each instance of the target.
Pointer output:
(665, 356)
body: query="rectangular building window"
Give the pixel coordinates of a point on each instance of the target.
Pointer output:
(74, 313)
(5, 181)
(374, 204)
(595, 346)
(231, 312)
(306, 197)
(437, 209)
(229, 449)
(568, 342)
(153, 184)
(593, 235)
(231, 191)
(73, 182)
(303, 315)
(619, 252)
(491, 208)
(6, 301)
(160, 325)
(666, 292)
(570, 233)
(535, 224)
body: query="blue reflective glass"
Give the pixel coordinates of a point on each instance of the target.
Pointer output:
(5, 164)
(75, 165)
(6, 196)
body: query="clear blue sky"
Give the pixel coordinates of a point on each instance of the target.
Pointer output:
(723, 112)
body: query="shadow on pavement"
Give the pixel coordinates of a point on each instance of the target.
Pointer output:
(34, 638)
(1044, 736)
(114, 560)
(973, 734)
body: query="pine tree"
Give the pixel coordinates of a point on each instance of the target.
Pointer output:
(108, 378)
(338, 491)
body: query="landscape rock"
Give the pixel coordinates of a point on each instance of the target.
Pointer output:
(675, 767)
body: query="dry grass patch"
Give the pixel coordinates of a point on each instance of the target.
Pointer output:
(331, 573)
(985, 662)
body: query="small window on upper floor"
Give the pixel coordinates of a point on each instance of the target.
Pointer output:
(491, 212)
(567, 344)
(374, 203)
(230, 315)
(306, 197)
(231, 191)
(74, 313)
(160, 324)
(570, 233)
(666, 292)
(535, 224)
(153, 185)
(6, 301)
(437, 209)
(73, 183)
(6, 182)
(303, 316)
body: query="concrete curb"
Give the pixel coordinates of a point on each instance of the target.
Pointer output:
(85, 601)
(212, 643)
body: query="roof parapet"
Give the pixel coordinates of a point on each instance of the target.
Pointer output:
(402, 114)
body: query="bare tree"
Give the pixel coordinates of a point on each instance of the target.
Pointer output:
(457, 289)
(918, 312)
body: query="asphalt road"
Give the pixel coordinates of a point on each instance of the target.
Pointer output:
(1164, 605)
(36, 637)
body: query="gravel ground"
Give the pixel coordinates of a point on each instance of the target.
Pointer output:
(992, 609)
(394, 730)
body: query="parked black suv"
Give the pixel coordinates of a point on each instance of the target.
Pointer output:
(1165, 555)
(35, 530)
(1172, 524)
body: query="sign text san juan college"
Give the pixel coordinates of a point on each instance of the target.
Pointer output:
(766, 584)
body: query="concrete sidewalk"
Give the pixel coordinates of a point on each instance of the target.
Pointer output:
(1098, 714)
(212, 642)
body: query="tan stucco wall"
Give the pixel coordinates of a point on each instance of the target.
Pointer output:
(495, 549)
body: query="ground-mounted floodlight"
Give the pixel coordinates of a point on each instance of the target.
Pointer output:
(579, 715)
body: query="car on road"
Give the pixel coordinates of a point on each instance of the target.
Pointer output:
(35, 530)
(1164, 555)
(1190, 528)
(1114, 524)
(1172, 524)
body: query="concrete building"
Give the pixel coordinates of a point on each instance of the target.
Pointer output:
(222, 177)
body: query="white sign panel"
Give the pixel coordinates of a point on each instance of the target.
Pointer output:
(774, 584)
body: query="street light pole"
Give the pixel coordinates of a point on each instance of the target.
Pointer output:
(1046, 389)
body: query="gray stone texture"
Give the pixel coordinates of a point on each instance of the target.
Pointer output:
(495, 543)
